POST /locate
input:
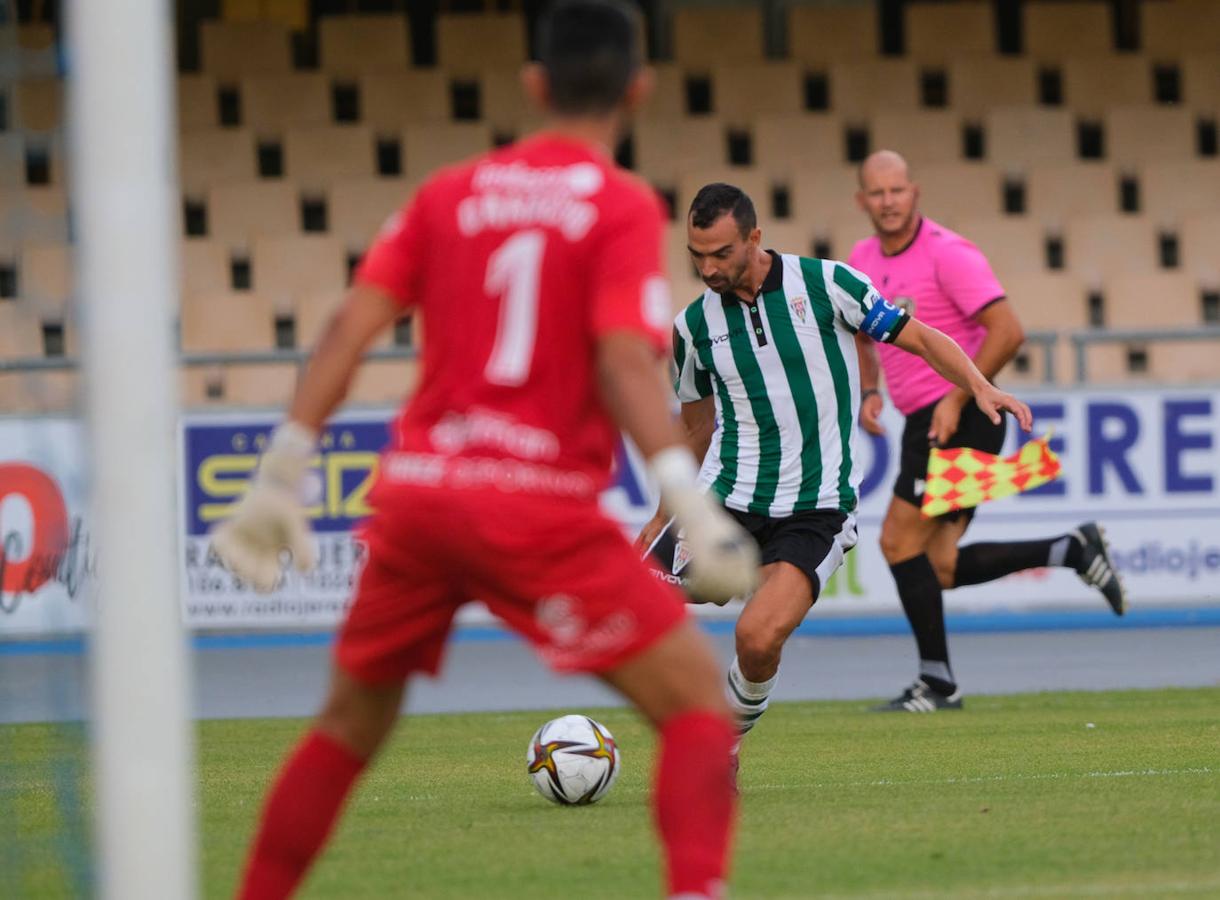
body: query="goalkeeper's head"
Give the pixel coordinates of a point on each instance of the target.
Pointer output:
(590, 63)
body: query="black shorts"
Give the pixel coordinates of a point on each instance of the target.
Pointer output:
(974, 430)
(815, 542)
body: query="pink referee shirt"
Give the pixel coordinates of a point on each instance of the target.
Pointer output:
(941, 279)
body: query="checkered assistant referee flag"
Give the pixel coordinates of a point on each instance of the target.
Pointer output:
(961, 477)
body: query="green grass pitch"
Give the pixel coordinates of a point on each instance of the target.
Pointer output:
(1016, 796)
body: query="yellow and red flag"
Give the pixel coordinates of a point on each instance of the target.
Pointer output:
(961, 477)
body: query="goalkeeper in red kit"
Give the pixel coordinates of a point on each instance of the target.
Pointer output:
(537, 271)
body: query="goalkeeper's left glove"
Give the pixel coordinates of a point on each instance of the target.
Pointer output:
(271, 517)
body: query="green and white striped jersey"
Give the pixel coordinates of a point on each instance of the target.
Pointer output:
(785, 376)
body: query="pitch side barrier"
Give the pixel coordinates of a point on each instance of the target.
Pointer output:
(1144, 461)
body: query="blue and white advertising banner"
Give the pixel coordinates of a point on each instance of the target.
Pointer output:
(1143, 462)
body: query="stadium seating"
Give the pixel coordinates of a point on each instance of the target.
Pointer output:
(1177, 26)
(1201, 83)
(1199, 238)
(240, 211)
(499, 37)
(351, 45)
(1158, 300)
(44, 272)
(1099, 247)
(756, 183)
(859, 89)
(427, 149)
(927, 136)
(230, 51)
(665, 149)
(819, 35)
(1173, 191)
(822, 195)
(238, 385)
(34, 213)
(785, 144)
(20, 332)
(1046, 301)
(270, 104)
(198, 103)
(206, 268)
(1055, 31)
(285, 267)
(978, 84)
(1055, 192)
(1020, 136)
(668, 99)
(213, 323)
(953, 192)
(1092, 84)
(357, 209)
(938, 32)
(315, 158)
(215, 156)
(1143, 134)
(28, 51)
(12, 160)
(742, 92)
(1014, 246)
(390, 101)
(701, 35)
(503, 104)
(37, 104)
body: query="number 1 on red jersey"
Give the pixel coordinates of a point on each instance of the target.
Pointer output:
(513, 273)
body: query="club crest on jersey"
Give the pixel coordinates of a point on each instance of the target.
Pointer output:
(681, 557)
(799, 304)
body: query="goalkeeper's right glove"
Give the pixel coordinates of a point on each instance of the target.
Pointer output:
(271, 517)
(724, 558)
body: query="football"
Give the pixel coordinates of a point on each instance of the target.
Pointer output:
(573, 760)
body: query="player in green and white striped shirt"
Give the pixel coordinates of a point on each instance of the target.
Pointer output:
(769, 352)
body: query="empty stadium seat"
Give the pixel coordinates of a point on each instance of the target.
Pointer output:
(951, 192)
(350, 45)
(822, 194)
(198, 103)
(844, 234)
(271, 104)
(756, 183)
(1021, 136)
(426, 148)
(1056, 30)
(1013, 246)
(1055, 192)
(1141, 134)
(34, 213)
(702, 34)
(227, 322)
(498, 37)
(1180, 25)
(28, 51)
(820, 35)
(230, 51)
(44, 276)
(1098, 247)
(20, 332)
(1172, 191)
(1199, 242)
(741, 92)
(1201, 83)
(238, 212)
(927, 136)
(316, 158)
(1047, 301)
(1093, 84)
(859, 89)
(503, 104)
(978, 84)
(284, 267)
(12, 160)
(665, 149)
(215, 156)
(1183, 362)
(267, 385)
(786, 237)
(784, 144)
(390, 101)
(37, 104)
(1156, 300)
(358, 209)
(668, 97)
(939, 32)
(384, 383)
(206, 269)
(38, 392)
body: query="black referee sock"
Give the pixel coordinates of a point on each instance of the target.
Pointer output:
(977, 563)
(924, 604)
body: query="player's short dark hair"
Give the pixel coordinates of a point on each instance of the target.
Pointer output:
(718, 199)
(590, 51)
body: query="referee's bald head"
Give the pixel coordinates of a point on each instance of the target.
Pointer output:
(887, 161)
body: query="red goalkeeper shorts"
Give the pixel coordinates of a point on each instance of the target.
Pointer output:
(557, 571)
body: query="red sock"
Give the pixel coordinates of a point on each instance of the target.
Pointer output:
(298, 816)
(695, 799)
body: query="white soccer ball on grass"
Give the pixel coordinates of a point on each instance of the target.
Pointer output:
(573, 760)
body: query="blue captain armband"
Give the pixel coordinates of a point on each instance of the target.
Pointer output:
(883, 321)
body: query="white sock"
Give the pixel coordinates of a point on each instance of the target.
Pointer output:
(748, 699)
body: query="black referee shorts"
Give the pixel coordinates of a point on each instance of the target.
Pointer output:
(814, 541)
(974, 430)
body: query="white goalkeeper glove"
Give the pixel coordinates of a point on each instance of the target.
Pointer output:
(724, 558)
(271, 517)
